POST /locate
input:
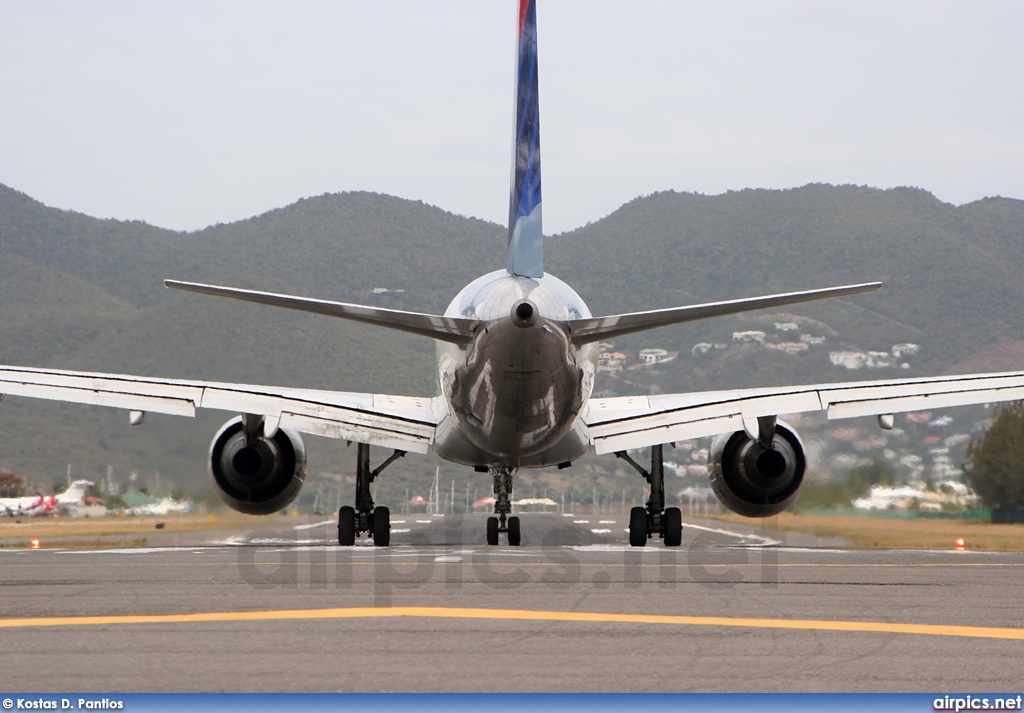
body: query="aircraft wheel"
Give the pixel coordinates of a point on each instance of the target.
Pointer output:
(514, 533)
(638, 527)
(673, 527)
(381, 526)
(492, 531)
(346, 526)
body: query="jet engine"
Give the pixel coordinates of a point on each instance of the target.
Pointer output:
(259, 477)
(755, 481)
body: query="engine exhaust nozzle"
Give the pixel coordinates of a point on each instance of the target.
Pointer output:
(524, 314)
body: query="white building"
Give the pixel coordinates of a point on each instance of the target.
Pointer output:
(654, 356)
(789, 347)
(752, 335)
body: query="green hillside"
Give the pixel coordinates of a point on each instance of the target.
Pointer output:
(82, 293)
(951, 273)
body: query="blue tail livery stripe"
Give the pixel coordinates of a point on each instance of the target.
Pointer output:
(525, 234)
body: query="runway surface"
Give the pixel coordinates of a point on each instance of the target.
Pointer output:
(573, 609)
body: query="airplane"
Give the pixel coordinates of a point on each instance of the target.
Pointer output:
(516, 358)
(36, 505)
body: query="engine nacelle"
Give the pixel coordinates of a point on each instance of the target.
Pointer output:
(753, 481)
(259, 479)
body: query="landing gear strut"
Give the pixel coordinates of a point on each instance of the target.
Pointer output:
(644, 523)
(364, 517)
(502, 508)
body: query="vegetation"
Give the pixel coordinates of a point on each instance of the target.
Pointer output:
(890, 533)
(11, 485)
(832, 493)
(995, 461)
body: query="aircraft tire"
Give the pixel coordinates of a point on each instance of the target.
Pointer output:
(492, 531)
(673, 519)
(514, 532)
(381, 526)
(638, 527)
(346, 526)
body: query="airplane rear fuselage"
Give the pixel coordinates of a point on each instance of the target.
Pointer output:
(515, 393)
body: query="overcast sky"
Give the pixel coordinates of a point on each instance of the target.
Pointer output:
(188, 113)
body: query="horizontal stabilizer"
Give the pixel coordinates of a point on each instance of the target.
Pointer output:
(586, 331)
(446, 329)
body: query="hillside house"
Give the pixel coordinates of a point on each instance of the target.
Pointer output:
(789, 347)
(655, 356)
(703, 348)
(749, 336)
(812, 340)
(860, 360)
(610, 361)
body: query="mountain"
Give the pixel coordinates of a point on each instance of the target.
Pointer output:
(951, 273)
(82, 293)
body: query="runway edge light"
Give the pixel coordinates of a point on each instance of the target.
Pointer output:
(34, 543)
(959, 544)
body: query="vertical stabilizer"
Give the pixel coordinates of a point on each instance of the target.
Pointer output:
(525, 235)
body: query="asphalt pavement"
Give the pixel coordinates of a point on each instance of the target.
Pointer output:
(283, 608)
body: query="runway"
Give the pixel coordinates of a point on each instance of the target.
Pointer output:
(733, 609)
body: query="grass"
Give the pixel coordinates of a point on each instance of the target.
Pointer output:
(900, 534)
(25, 544)
(44, 528)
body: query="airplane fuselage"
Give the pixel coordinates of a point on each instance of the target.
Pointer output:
(514, 395)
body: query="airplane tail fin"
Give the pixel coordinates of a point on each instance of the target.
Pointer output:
(73, 495)
(525, 234)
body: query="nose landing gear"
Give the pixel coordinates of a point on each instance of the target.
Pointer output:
(502, 509)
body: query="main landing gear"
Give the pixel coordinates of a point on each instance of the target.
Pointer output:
(364, 517)
(502, 508)
(644, 523)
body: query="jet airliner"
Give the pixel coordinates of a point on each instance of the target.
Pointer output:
(35, 505)
(516, 358)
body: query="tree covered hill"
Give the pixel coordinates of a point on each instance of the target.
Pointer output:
(81, 293)
(951, 273)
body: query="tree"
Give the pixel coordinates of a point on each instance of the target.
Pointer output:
(995, 460)
(11, 485)
(841, 493)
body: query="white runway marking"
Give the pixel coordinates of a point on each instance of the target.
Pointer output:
(135, 550)
(312, 525)
(759, 540)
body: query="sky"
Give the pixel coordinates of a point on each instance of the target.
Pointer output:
(194, 112)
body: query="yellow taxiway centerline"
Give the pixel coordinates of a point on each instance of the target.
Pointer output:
(523, 615)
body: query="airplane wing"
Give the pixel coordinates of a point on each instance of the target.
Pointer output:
(627, 422)
(401, 422)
